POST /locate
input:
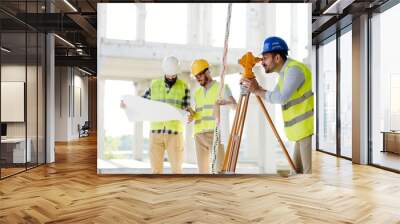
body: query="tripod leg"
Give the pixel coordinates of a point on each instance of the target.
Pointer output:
(239, 139)
(236, 135)
(271, 123)
(232, 135)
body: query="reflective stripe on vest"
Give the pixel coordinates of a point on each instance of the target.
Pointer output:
(171, 101)
(204, 118)
(205, 101)
(298, 111)
(298, 100)
(173, 97)
(205, 107)
(299, 118)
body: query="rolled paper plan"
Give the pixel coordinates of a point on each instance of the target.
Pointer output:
(141, 109)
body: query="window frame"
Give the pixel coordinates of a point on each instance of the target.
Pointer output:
(334, 37)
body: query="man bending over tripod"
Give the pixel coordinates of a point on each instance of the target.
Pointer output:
(294, 93)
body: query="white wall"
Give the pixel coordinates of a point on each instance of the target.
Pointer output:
(12, 73)
(80, 103)
(61, 103)
(70, 83)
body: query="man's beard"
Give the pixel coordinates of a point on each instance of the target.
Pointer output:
(269, 69)
(206, 80)
(170, 82)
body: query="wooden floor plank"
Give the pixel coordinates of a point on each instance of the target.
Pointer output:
(70, 191)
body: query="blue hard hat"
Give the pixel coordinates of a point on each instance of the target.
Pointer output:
(273, 44)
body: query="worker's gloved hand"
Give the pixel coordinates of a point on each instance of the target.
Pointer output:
(250, 84)
(122, 104)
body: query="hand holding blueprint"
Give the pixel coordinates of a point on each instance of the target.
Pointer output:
(141, 109)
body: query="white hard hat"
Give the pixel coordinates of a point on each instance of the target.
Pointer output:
(170, 65)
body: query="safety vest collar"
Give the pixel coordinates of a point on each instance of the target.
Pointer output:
(207, 90)
(283, 69)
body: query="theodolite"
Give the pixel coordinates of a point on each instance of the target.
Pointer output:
(248, 61)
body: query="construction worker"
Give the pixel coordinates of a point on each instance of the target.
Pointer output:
(206, 96)
(294, 93)
(168, 135)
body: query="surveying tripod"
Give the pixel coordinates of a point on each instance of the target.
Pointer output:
(232, 152)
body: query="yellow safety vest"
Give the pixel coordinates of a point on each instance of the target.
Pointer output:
(298, 110)
(173, 97)
(204, 120)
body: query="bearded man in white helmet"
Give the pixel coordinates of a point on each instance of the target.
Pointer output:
(168, 135)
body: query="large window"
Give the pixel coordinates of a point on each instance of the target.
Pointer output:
(334, 106)
(121, 21)
(166, 23)
(22, 77)
(237, 35)
(13, 122)
(292, 20)
(385, 89)
(327, 97)
(346, 94)
(118, 132)
(283, 23)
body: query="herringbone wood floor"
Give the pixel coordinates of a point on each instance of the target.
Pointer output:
(70, 191)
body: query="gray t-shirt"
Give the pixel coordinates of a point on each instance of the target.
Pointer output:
(294, 79)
